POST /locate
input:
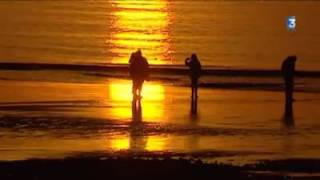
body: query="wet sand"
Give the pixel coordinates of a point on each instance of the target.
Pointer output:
(54, 119)
(89, 129)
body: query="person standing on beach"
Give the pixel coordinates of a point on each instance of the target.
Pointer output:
(195, 72)
(288, 71)
(139, 72)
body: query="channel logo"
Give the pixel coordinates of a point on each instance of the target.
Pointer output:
(291, 23)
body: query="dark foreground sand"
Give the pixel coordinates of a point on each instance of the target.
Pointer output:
(82, 167)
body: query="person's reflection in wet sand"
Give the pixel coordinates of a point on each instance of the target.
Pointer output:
(194, 106)
(193, 141)
(288, 117)
(137, 139)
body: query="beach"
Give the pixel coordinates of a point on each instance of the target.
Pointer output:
(44, 117)
(53, 116)
(67, 110)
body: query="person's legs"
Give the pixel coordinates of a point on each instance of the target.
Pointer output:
(192, 91)
(196, 88)
(288, 118)
(194, 85)
(136, 110)
(139, 87)
(134, 88)
(289, 90)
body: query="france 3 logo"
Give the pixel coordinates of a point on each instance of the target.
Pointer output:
(291, 23)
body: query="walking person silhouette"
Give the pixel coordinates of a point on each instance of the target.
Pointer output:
(195, 72)
(139, 72)
(288, 71)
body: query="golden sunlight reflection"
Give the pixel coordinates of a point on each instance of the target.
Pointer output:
(140, 25)
(120, 143)
(155, 143)
(138, 143)
(152, 105)
(152, 101)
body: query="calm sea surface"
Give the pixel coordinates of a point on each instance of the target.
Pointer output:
(238, 34)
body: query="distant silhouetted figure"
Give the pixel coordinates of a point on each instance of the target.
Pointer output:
(139, 72)
(195, 72)
(288, 71)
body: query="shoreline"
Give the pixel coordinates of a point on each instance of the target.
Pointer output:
(156, 69)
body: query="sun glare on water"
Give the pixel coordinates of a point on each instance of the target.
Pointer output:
(140, 25)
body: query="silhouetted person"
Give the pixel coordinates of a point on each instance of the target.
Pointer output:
(195, 72)
(288, 71)
(139, 72)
